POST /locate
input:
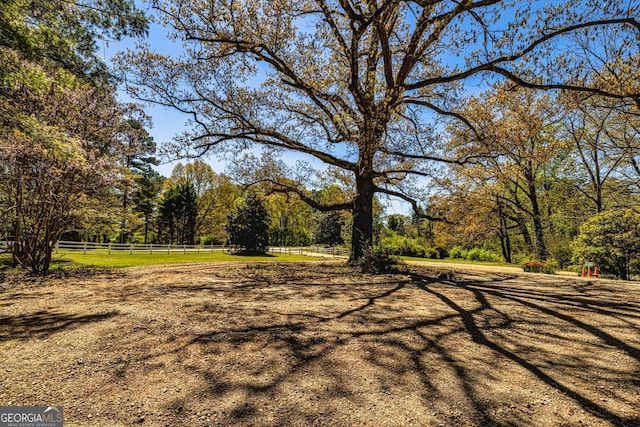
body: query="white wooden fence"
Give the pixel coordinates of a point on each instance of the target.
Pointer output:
(130, 248)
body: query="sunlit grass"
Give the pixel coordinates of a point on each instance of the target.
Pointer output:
(457, 261)
(102, 259)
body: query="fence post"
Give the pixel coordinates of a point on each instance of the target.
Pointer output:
(169, 249)
(109, 249)
(84, 248)
(184, 249)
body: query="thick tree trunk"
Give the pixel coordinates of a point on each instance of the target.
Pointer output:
(541, 247)
(125, 196)
(538, 232)
(16, 250)
(123, 220)
(598, 198)
(524, 231)
(362, 234)
(505, 241)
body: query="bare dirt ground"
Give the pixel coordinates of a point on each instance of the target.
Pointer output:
(317, 344)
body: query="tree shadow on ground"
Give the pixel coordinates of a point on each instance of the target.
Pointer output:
(456, 352)
(543, 304)
(305, 345)
(41, 324)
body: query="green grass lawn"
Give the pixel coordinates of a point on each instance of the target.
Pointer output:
(102, 259)
(457, 261)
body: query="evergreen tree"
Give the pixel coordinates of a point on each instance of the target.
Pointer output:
(137, 150)
(178, 214)
(329, 231)
(248, 226)
(148, 184)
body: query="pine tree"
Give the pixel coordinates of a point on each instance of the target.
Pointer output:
(329, 230)
(178, 214)
(248, 226)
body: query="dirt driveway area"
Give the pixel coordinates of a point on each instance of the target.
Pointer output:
(317, 344)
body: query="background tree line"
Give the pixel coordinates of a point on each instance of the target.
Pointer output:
(194, 205)
(546, 168)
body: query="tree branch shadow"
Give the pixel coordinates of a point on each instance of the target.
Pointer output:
(287, 347)
(394, 343)
(481, 290)
(42, 324)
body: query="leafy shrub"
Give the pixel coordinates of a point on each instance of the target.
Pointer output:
(432, 253)
(406, 246)
(562, 254)
(521, 258)
(611, 240)
(378, 261)
(457, 252)
(480, 254)
(442, 252)
(475, 254)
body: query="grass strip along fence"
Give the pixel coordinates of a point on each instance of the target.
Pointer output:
(131, 248)
(69, 255)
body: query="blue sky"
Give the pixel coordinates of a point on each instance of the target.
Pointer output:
(168, 122)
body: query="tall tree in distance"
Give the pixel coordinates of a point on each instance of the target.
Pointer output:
(178, 214)
(138, 151)
(290, 220)
(361, 86)
(329, 229)
(593, 128)
(514, 141)
(248, 226)
(215, 196)
(146, 198)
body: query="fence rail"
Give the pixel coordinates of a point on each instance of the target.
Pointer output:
(84, 247)
(131, 248)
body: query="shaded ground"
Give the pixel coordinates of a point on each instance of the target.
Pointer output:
(316, 344)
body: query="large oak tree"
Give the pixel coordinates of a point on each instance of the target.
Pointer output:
(362, 85)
